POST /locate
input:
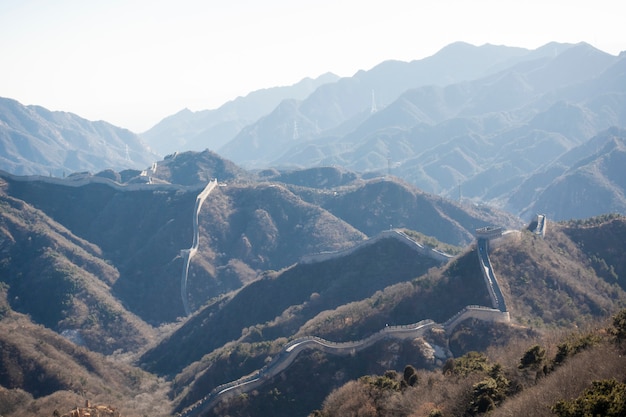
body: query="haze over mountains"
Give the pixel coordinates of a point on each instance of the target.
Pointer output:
(196, 131)
(486, 123)
(34, 140)
(98, 260)
(299, 236)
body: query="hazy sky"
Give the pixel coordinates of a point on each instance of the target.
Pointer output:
(134, 62)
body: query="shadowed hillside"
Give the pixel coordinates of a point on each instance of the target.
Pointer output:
(41, 371)
(601, 239)
(63, 282)
(380, 204)
(297, 294)
(140, 232)
(544, 281)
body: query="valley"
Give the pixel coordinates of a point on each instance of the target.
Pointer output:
(308, 315)
(441, 237)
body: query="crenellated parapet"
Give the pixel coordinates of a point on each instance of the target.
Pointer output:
(489, 232)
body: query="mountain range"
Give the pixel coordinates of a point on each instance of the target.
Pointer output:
(96, 261)
(485, 136)
(490, 124)
(196, 131)
(34, 140)
(298, 230)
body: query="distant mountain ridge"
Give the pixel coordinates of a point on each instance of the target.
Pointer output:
(334, 104)
(196, 131)
(593, 185)
(34, 140)
(97, 259)
(470, 122)
(481, 138)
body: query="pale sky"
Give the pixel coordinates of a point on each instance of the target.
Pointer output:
(134, 62)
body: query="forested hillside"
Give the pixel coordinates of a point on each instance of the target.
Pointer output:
(93, 263)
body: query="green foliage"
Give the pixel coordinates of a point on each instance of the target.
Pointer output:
(471, 362)
(572, 347)
(490, 392)
(618, 330)
(409, 377)
(387, 382)
(605, 398)
(484, 396)
(533, 358)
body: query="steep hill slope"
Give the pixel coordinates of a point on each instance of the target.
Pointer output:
(601, 240)
(63, 282)
(546, 282)
(41, 371)
(297, 293)
(140, 232)
(550, 280)
(34, 140)
(460, 283)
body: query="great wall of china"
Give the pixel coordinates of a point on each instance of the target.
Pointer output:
(497, 313)
(81, 180)
(189, 253)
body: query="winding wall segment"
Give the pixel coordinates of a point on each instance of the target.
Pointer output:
(495, 293)
(82, 181)
(290, 351)
(190, 253)
(498, 314)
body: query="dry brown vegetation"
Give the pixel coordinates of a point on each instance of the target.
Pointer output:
(548, 287)
(62, 282)
(41, 372)
(547, 281)
(532, 390)
(51, 275)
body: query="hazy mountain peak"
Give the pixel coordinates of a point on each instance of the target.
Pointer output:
(187, 130)
(35, 140)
